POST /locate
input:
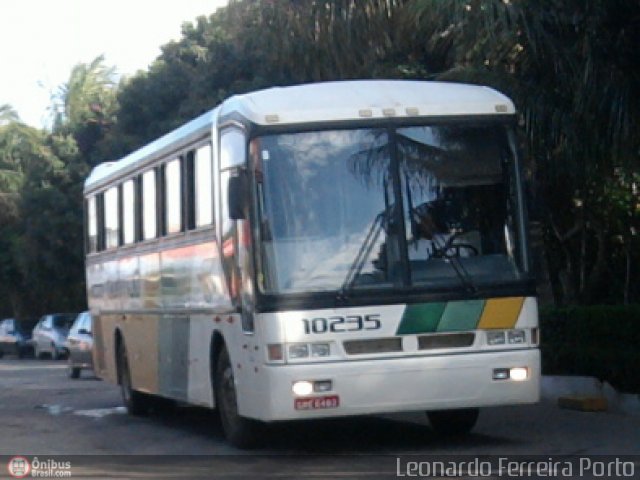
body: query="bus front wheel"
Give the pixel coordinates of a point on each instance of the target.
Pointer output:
(240, 431)
(137, 403)
(453, 422)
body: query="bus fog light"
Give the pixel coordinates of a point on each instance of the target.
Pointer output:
(274, 351)
(302, 387)
(495, 338)
(320, 350)
(516, 336)
(298, 350)
(322, 386)
(518, 374)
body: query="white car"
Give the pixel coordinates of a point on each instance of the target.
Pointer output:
(50, 335)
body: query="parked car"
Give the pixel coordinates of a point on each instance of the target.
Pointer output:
(80, 344)
(15, 337)
(50, 334)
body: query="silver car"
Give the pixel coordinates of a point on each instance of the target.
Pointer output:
(15, 337)
(50, 335)
(80, 344)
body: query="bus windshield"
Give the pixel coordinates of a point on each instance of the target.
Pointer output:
(423, 207)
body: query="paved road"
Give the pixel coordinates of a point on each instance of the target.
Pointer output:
(43, 412)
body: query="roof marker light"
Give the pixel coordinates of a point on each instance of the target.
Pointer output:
(273, 118)
(412, 111)
(501, 108)
(389, 112)
(365, 112)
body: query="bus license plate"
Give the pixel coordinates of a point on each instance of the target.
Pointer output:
(314, 403)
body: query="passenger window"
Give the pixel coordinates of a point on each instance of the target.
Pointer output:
(92, 225)
(111, 220)
(149, 212)
(173, 196)
(128, 213)
(204, 186)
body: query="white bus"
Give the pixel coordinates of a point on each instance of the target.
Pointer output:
(320, 250)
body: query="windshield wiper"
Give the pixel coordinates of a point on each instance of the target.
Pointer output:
(362, 256)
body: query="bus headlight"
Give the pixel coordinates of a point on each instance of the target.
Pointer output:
(320, 350)
(298, 350)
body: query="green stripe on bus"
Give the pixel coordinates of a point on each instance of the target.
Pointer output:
(421, 318)
(461, 315)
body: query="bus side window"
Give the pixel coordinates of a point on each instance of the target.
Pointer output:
(149, 201)
(173, 196)
(128, 213)
(92, 225)
(111, 218)
(203, 187)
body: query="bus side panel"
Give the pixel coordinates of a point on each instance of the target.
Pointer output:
(140, 333)
(201, 330)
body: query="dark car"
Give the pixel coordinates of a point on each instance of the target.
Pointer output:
(80, 344)
(50, 335)
(15, 337)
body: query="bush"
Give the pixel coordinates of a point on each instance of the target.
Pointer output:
(598, 341)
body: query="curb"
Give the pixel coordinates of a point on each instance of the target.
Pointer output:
(588, 394)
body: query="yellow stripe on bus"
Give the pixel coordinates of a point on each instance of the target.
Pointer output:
(501, 313)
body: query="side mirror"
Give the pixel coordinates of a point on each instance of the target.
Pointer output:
(237, 190)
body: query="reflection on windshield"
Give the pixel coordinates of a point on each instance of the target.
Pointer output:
(318, 210)
(328, 219)
(460, 203)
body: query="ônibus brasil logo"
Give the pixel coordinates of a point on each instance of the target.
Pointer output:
(19, 467)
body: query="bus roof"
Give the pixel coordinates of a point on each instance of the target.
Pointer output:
(326, 102)
(358, 99)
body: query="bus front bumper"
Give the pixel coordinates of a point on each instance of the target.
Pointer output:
(394, 385)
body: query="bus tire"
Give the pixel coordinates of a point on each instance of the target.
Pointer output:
(136, 403)
(241, 432)
(453, 422)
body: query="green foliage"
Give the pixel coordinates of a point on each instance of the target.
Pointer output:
(256, 44)
(41, 256)
(85, 106)
(7, 114)
(600, 341)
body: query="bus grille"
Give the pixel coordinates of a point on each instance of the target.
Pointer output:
(375, 345)
(446, 340)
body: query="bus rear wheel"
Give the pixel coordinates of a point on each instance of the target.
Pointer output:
(137, 403)
(240, 431)
(453, 422)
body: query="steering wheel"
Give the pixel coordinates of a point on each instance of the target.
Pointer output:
(452, 250)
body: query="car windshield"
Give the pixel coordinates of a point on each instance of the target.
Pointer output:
(414, 207)
(63, 321)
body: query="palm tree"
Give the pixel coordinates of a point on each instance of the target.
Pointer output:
(8, 114)
(572, 68)
(87, 97)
